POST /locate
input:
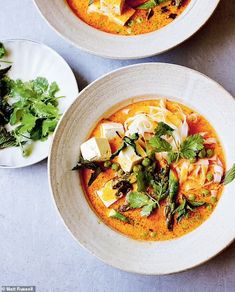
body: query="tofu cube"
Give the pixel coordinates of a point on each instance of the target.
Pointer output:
(107, 194)
(113, 6)
(127, 158)
(109, 130)
(96, 149)
(118, 19)
(128, 12)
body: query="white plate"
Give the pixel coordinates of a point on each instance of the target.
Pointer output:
(172, 81)
(32, 60)
(62, 19)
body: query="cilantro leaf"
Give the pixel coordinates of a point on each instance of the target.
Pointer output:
(163, 129)
(27, 124)
(44, 110)
(172, 156)
(157, 142)
(230, 175)
(48, 126)
(148, 209)
(160, 145)
(40, 85)
(137, 199)
(191, 146)
(53, 89)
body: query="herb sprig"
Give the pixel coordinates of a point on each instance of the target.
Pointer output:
(127, 141)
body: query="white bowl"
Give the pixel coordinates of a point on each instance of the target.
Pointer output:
(161, 80)
(58, 14)
(29, 61)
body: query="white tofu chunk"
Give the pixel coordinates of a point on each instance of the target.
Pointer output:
(128, 12)
(127, 158)
(109, 130)
(96, 149)
(113, 6)
(107, 194)
(118, 19)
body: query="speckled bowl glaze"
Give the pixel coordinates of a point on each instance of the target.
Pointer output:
(106, 95)
(58, 14)
(29, 61)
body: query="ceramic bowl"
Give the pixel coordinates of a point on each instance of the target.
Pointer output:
(58, 14)
(29, 61)
(109, 93)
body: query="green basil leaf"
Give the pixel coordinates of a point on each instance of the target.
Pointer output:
(229, 176)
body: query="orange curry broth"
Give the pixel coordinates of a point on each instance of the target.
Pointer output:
(140, 23)
(153, 227)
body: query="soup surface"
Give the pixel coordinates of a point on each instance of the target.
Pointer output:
(164, 180)
(137, 16)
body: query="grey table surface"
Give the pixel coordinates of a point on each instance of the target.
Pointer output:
(35, 247)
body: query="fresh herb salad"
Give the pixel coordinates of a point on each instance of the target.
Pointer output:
(154, 170)
(28, 110)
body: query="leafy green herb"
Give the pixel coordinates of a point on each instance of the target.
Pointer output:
(6, 139)
(185, 207)
(150, 4)
(148, 209)
(127, 141)
(157, 142)
(139, 200)
(189, 149)
(2, 50)
(191, 146)
(163, 129)
(115, 214)
(229, 176)
(35, 109)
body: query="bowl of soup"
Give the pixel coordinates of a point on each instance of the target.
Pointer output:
(141, 168)
(126, 29)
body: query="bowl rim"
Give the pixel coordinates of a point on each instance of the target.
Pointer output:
(50, 179)
(139, 38)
